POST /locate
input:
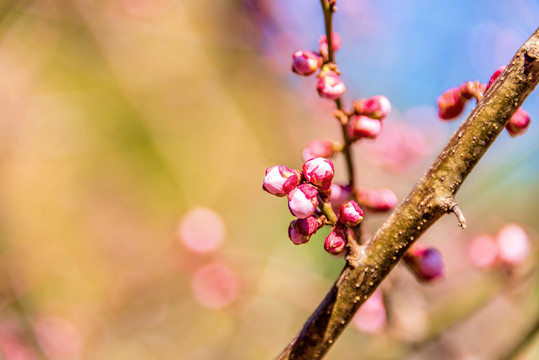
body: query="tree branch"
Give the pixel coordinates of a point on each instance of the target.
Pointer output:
(425, 204)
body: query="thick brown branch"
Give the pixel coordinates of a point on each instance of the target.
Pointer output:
(423, 206)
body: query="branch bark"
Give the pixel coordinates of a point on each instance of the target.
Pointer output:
(425, 204)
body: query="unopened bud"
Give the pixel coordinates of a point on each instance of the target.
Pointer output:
(425, 263)
(450, 104)
(483, 252)
(303, 200)
(319, 171)
(377, 200)
(339, 195)
(375, 107)
(335, 241)
(330, 85)
(371, 317)
(350, 214)
(519, 122)
(320, 148)
(280, 180)
(360, 127)
(513, 244)
(323, 43)
(305, 62)
(300, 230)
(494, 76)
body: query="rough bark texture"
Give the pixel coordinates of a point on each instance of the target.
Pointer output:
(432, 197)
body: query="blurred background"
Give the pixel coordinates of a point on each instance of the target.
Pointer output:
(134, 135)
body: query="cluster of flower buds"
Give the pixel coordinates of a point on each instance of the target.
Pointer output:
(305, 191)
(366, 122)
(306, 62)
(510, 247)
(425, 263)
(451, 104)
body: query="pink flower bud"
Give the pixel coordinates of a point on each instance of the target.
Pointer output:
(300, 230)
(371, 317)
(519, 122)
(323, 43)
(360, 127)
(350, 214)
(305, 62)
(450, 104)
(494, 76)
(319, 171)
(339, 195)
(319, 148)
(330, 85)
(425, 263)
(303, 200)
(280, 180)
(513, 244)
(483, 252)
(377, 200)
(375, 107)
(335, 242)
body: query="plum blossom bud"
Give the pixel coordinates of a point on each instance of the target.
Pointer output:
(330, 85)
(425, 263)
(483, 252)
(339, 195)
(450, 104)
(323, 43)
(350, 214)
(494, 76)
(360, 127)
(377, 200)
(320, 148)
(371, 318)
(280, 180)
(319, 171)
(300, 230)
(375, 107)
(519, 122)
(303, 200)
(335, 241)
(513, 244)
(305, 62)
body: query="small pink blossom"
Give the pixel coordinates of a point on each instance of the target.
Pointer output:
(483, 252)
(202, 230)
(371, 317)
(319, 148)
(280, 180)
(360, 127)
(330, 85)
(350, 214)
(339, 195)
(519, 122)
(450, 104)
(513, 244)
(319, 172)
(376, 107)
(303, 200)
(300, 230)
(336, 42)
(495, 76)
(425, 263)
(335, 241)
(377, 200)
(215, 286)
(305, 62)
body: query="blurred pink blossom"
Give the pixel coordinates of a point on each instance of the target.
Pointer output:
(371, 317)
(202, 230)
(215, 286)
(513, 244)
(483, 252)
(59, 338)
